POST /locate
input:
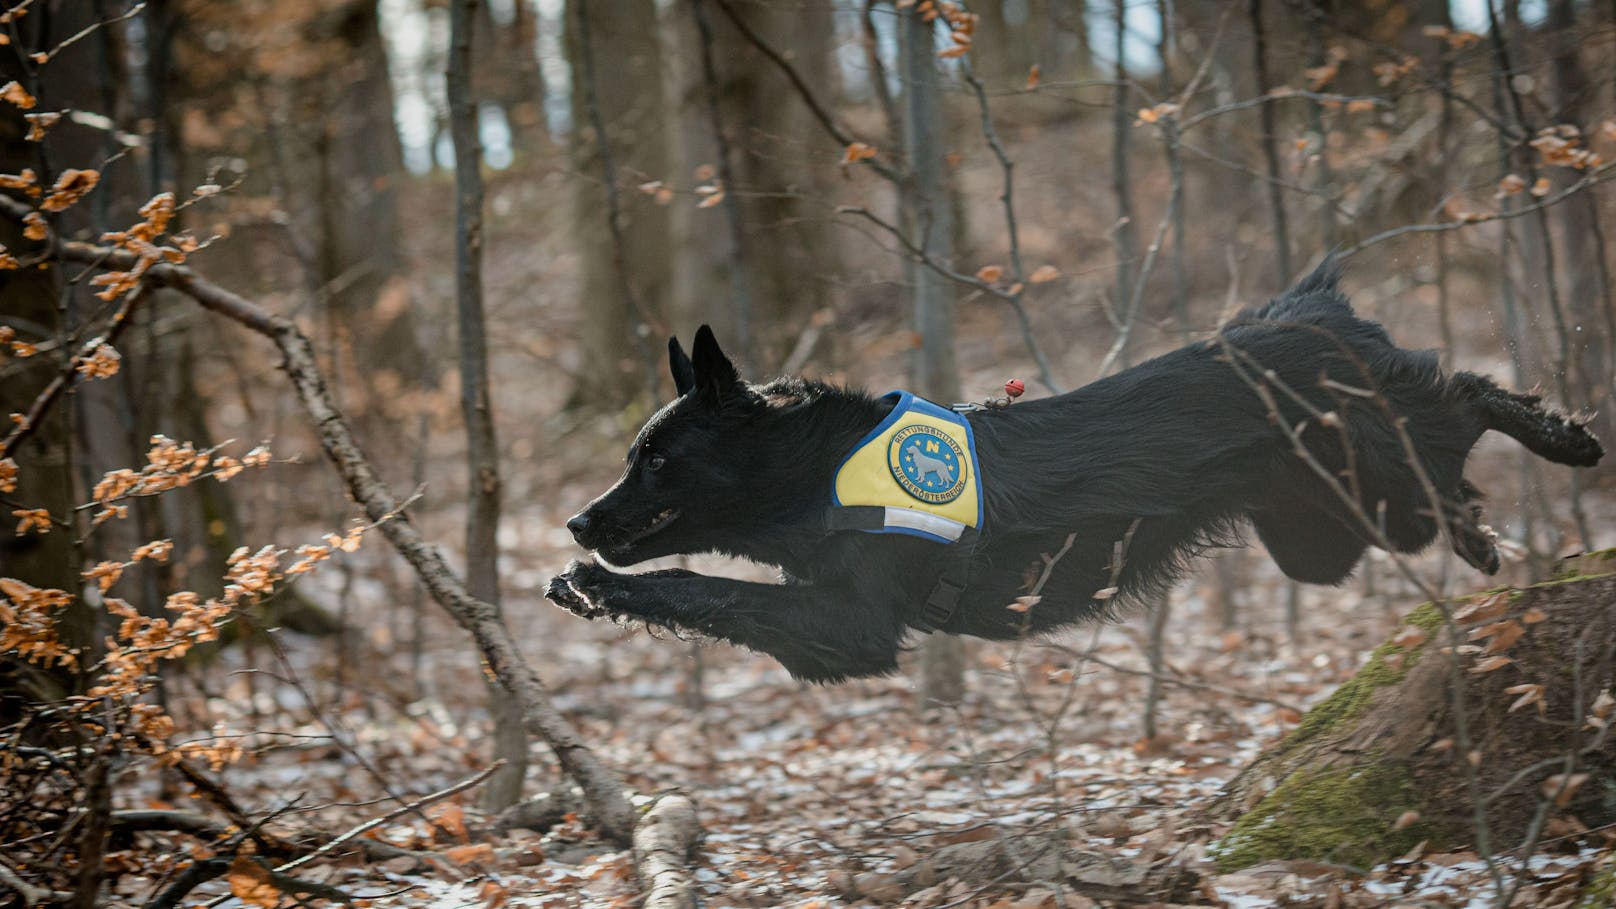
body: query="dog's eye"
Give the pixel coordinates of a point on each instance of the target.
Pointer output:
(655, 462)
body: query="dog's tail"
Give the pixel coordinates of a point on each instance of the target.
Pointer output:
(1561, 438)
(1317, 296)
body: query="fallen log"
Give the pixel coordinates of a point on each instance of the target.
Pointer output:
(664, 839)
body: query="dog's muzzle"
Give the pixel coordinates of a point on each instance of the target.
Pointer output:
(589, 534)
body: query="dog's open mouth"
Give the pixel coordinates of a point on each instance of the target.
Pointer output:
(663, 519)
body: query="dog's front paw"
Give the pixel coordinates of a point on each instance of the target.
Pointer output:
(570, 591)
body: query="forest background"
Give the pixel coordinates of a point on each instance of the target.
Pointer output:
(465, 230)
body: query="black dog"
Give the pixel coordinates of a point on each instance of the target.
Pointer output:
(1298, 417)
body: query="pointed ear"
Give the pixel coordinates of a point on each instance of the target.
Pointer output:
(715, 374)
(684, 374)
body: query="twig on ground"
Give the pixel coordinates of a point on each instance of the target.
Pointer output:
(415, 805)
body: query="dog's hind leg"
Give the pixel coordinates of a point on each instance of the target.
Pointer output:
(1472, 540)
(819, 634)
(1308, 543)
(1560, 438)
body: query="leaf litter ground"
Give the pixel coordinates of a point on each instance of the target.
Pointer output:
(823, 796)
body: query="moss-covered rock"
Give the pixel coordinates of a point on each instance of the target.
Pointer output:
(1388, 664)
(1346, 815)
(1601, 890)
(1386, 742)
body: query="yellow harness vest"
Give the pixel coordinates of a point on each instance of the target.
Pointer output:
(915, 473)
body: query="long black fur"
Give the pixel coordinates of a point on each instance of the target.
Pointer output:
(1156, 462)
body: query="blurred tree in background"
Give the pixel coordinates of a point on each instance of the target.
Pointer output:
(918, 193)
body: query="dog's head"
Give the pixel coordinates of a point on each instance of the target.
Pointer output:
(684, 489)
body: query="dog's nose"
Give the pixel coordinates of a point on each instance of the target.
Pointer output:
(579, 525)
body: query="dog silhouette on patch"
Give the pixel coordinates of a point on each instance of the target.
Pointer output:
(928, 466)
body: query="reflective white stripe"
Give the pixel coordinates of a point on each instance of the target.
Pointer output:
(913, 519)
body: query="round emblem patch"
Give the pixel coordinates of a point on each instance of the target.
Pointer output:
(927, 463)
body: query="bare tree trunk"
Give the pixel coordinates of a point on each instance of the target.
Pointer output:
(1270, 147)
(691, 223)
(506, 71)
(619, 141)
(482, 451)
(1586, 277)
(1125, 233)
(734, 134)
(932, 369)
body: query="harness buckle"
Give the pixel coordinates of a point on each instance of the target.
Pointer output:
(942, 602)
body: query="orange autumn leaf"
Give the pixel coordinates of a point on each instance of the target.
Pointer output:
(1043, 274)
(990, 273)
(452, 819)
(38, 124)
(250, 882)
(70, 187)
(32, 519)
(16, 94)
(469, 854)
(858, 151)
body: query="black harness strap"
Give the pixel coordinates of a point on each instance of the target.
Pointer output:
(943, 601)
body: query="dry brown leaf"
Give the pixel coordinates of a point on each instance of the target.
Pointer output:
(858, 151)
(1562, 787)
(1024, 603)
(1530, 694)
(1406, 820)
(70, 187)
(250, 882)
(1603, 705)
(468, 854)
(1490, 663)
(1043, 274)
(1034, 76)
(1503, 634)
(990, 273)
(452, 819)
(16, 94)
(494, 895)
(1482, 608)
(1411, 636)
